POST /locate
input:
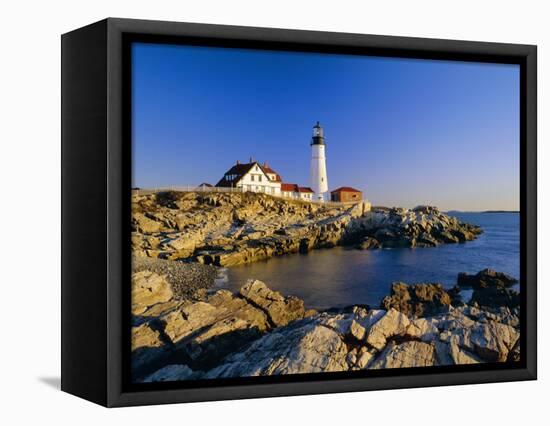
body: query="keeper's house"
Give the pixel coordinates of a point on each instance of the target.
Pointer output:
(256, 177)
(346, 194)
(253, 177)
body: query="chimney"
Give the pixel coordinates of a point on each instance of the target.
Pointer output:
(251, 160)
(265, 164)
(238, 162)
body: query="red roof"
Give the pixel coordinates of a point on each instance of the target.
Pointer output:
(289, 187)
(269, 170)
(345, 189)
(292, 187)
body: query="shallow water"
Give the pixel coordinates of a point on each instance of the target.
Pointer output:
(341, 277)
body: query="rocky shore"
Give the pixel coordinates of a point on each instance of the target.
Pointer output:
(257, 331)
(226, 229)
(187, 280)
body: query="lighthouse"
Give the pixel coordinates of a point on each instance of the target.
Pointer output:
(318, 171)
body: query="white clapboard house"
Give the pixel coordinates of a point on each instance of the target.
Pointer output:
(256, 177)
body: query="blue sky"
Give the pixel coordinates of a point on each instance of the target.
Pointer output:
(405, 131)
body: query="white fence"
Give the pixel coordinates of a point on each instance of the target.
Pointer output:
(203, 188)
(184, 188)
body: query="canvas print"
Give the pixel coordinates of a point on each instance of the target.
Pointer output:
(310, 213)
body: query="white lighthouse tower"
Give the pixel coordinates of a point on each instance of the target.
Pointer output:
(318, 172)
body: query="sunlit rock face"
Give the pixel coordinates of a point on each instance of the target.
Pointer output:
(257, 331)
(228, 229)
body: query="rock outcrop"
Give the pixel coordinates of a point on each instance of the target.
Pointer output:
(485, 279)
(393, 323)
(405, 355)
(417, 300)
(148, 289)
(258, 331)
(423, 226)
(143, 336)
(227, 229)
(490, 288)
(305, 347)
(279, 309)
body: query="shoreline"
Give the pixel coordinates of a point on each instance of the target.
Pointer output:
(257, 331)
(228, 229)
(186, 327)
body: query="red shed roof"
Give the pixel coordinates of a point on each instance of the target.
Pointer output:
(345, 189)
(289, 187)
(292, 187)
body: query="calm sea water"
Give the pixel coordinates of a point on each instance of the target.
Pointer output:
(341, 277)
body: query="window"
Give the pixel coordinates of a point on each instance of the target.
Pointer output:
(259, 178)
(252, 178)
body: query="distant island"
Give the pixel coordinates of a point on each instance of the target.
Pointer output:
(485, 211)
(501, 211)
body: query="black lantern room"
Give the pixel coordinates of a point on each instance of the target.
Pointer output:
(318, 135)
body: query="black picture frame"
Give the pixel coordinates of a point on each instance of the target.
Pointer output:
(96, 167)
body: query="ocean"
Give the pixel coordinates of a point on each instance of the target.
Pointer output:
(341, 277)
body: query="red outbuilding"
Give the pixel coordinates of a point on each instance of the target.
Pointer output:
(346, 194)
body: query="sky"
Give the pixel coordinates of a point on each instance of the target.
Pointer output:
(404, 131)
